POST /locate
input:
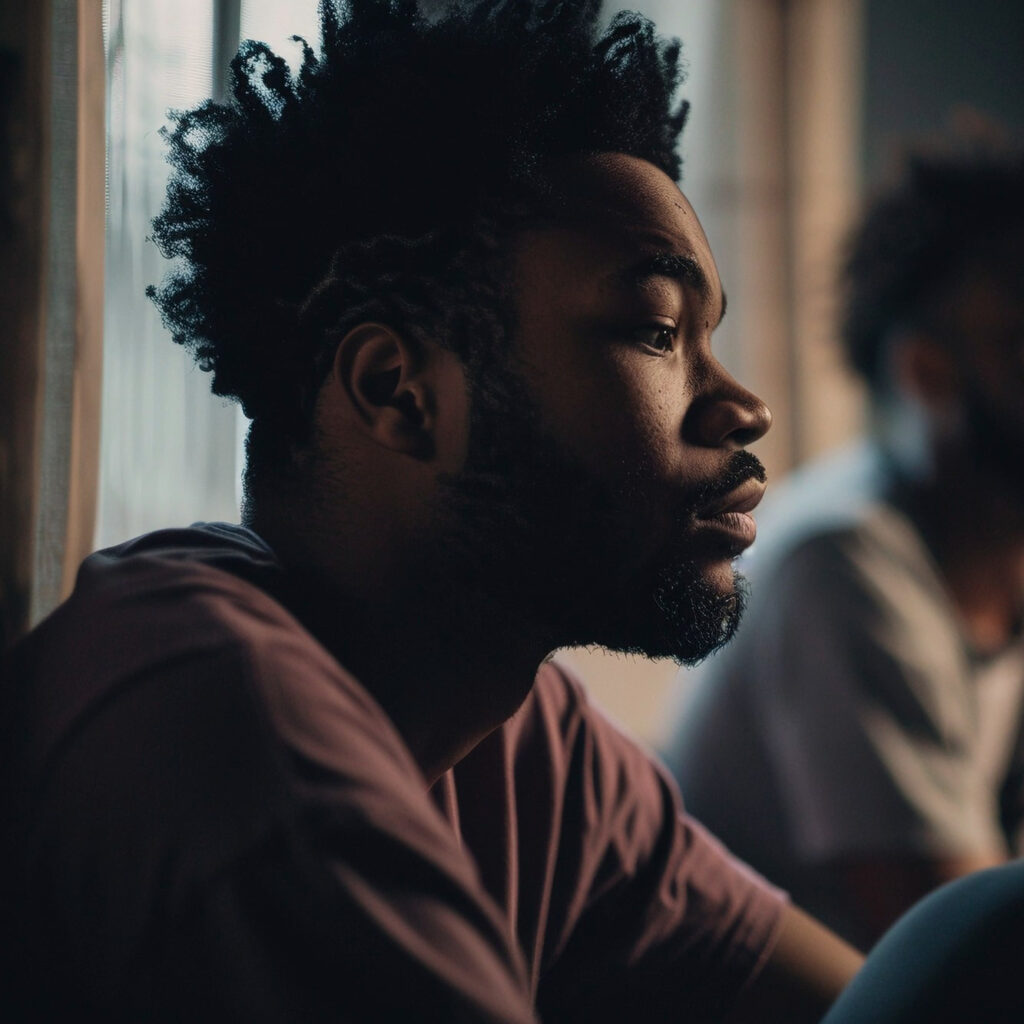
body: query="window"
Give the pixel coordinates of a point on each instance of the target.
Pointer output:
(170, 452)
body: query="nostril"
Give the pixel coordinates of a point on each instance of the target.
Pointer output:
(762, 421)
(746, 435)
(753, 418)
(736, 420)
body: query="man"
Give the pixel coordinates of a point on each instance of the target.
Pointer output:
(307, 769)
(861, 742)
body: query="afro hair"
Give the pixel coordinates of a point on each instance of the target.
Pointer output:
(379, 180)
(952, 204)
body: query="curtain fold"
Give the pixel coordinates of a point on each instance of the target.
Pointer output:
(70, 324)
(169, 447)
(24, 119)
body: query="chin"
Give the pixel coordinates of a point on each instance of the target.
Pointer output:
(721, 577)
(690, 613)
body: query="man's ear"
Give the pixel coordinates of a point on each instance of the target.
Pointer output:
(382, 376)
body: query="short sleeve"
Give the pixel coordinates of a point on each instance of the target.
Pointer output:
(233, 831)
(867, 711)
(651, 918)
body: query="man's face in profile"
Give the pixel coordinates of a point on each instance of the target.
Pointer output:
(610, 495)
(988, 321)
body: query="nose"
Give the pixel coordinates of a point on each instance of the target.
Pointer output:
(726, 415)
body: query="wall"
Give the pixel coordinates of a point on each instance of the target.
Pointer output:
(925, 57)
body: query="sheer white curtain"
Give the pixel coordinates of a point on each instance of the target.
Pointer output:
(170, 451)
(275, 23)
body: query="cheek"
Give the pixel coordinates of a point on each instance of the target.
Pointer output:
(624, 417)
(453, 414)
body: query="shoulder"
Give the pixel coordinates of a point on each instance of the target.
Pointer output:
(176, 597)
(202, 770)
(133, 616)
(186, 684)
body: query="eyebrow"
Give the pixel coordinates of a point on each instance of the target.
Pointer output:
(677, 266)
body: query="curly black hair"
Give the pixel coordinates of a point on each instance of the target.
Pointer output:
(954, 203)
(382, 180)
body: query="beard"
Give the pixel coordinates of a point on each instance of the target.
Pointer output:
(534, 546)
(995, 440)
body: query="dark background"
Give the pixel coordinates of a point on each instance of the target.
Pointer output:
(924, 57)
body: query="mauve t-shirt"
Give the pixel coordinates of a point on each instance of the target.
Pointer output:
(207, 818)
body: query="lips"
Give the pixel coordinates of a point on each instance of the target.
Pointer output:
(729, 517)
(744, 498)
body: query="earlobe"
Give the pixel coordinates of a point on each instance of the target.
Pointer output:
(380, 375)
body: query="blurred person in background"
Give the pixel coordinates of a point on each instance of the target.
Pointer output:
(860, 742)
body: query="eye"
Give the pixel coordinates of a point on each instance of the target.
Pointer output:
(659, 337)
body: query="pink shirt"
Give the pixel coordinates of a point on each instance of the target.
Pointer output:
(212, 820)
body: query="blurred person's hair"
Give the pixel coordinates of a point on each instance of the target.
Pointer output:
(953, 204)
(382, 183)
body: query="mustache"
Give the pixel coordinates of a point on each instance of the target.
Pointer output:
(742, 466)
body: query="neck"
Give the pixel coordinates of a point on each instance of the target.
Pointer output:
(446, 669)
(443, 689)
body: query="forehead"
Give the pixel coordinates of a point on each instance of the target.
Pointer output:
(611, 214)
(619, 187)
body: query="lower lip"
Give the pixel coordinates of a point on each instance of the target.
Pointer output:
(738, 529)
